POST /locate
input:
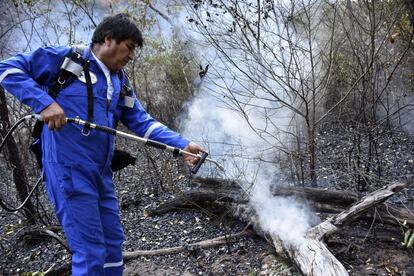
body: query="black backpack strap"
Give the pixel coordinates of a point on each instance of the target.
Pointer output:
(78, 59)
(72, 67)
(37, 129)
(126, 89)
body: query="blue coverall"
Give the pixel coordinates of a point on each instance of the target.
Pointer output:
(77, 167)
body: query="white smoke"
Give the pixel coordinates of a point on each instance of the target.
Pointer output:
(286, 217)
(241, 152)
(241, 138)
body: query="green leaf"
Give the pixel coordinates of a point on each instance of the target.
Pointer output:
(407, 235)
(411, 241)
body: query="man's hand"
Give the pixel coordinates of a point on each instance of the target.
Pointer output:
(54, 116)
(193, 148)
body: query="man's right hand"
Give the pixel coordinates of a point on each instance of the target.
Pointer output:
(54, 116)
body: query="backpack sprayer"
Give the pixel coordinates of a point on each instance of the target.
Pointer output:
(88, 125)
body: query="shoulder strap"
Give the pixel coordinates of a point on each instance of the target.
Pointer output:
(126, 89)
(72, 66)
(79, 49)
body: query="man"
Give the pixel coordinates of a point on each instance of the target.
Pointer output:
(76, 162)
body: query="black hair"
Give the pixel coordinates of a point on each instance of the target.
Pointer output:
(119, 27)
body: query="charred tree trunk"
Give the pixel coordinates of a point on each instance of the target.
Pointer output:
(14, 157)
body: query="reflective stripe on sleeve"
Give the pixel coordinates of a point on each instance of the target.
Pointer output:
(151, 129)
(106, 265)
(9, 72)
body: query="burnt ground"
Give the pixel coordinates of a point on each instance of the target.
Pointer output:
(372, 250)
(365, 248)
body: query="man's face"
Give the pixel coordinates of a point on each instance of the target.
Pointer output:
(118, 54)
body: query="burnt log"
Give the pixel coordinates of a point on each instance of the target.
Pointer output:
(217, 195)
(219, 190)
(195, 198)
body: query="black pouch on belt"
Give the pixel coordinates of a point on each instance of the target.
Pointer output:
(121, 160)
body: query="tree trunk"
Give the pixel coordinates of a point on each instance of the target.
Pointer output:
(312, 156)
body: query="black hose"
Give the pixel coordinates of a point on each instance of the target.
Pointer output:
(4, 206)
(9, 133)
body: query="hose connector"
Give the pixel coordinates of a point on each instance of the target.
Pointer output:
(33, 116)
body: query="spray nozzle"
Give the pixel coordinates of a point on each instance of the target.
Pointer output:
(200, 161)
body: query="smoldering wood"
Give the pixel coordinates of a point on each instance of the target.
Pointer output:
(217, 194)
(341, 198)
(212, 189)
(193, 198)
(311, 255)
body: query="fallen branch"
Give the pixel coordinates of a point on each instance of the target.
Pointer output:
(171, 250)
(193, 246)
(43, 233)
(371, 200)
(61, 270)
